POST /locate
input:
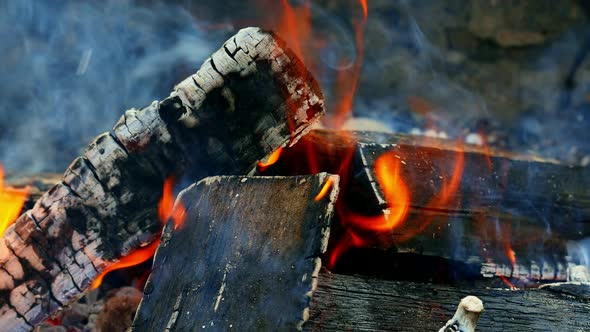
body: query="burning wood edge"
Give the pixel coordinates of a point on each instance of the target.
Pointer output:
(251, 97)
(246, 258)
(493, 210)
(466, 316)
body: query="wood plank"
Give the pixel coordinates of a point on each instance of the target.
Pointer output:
(246, 257)
(251, 97)
(349, 303)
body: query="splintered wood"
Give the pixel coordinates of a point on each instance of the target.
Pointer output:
(251, 97)
(246, 258)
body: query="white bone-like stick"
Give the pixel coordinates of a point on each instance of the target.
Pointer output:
(466, 316)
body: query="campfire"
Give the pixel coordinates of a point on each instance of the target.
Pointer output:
(250, 199)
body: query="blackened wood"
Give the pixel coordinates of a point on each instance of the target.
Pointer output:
(504, 202)
(350, 303)
(246, 257)
(251, 97)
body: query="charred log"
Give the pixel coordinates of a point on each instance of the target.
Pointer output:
(352, 303)
(503, 202)
(251, 97)
(246, 257)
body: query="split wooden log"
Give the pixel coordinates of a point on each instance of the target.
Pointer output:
(251, 97)
(246, 257)
(503, 203)
(353, 303)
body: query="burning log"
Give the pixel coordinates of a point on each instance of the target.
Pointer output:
(505, 214)
(246, 257)
(251, 97)
(354, 303)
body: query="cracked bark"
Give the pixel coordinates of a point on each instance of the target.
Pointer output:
(251, 97)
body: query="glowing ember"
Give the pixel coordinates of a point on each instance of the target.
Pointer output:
(325, 190)
(272, 159)
(137, 257)
(11, 203)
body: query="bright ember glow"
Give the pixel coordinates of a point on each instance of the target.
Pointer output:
(325, 190)
(272, 159)
(11, 203)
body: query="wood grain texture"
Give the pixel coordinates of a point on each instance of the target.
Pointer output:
(251, 97)
(349, 303)
(246, 257)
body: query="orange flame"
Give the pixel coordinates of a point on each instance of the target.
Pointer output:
(508, 283)
(347, 81)
(272, 159)
(511, 256)
(295, 27)
(137, 257)
(450, 188)
(11, 203)
(348, 241)
(166, 210)
(166, 207)
(397, 196)
(325, 190)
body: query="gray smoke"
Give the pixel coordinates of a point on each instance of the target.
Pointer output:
(71, 68)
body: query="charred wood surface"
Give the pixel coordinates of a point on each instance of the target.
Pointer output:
(251, 97)
(503, 202)
(350, 303)
(246, 257)
(36, 184)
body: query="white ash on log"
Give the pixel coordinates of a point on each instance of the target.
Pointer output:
(503, 201)
(251, 97)
(246, 257)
